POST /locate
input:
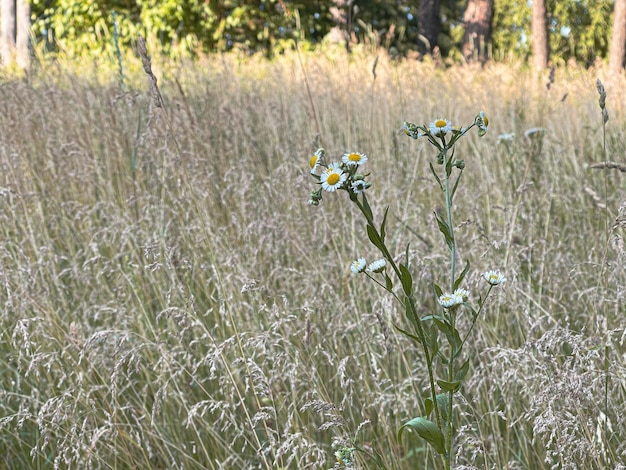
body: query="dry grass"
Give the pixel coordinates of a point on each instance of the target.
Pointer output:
(170, 301)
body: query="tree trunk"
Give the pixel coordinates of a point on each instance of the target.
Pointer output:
(477, 19)
(617, 50)
(22, 37)
(541, 46)
(7, 30)
(428, 25)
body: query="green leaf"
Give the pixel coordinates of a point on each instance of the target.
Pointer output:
(388, 283)
(367, 209)
(449, 386)
(443, 228)
(449, 166)
(567, 349)
(432, 170)
(382, 226)
(462, 372)
(456, 185)
(471, 309)
(455, 341)
(427, 430)
(438, 291)
(406, 279)
(459, 279)
(374, 238)
(410, 313)
(433, 343)
(407, 334)
(442, 404)
(433, 317)
(406, 255)
(443, 325)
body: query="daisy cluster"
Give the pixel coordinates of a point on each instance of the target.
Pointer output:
(337, 175)
(440, 128)
(360, 265)
(452, 300)
(493, 278)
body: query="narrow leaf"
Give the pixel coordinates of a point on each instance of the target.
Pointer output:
(443, 228)
(432, 170)
(449, 166)
(406, 279)
(388, 283)
(382, 226)
(462, 372)
(449, 386)
(407, 334)
(367, 209)
(459, 279)
(433, 343)
(427, 430)
(438, 291)
(433, 317)
(374, 238)
(443, 326)
(442, 404)
(455, 341)
(406, 256)
(471, 309)
(456, 185)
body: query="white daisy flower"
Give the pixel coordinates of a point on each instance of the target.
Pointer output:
(463, 293)
(358, 266)
(534, 130)
(494, 277)
(354, 158)
(377, 266)
(333, 177)
(358, 186)
(411, 130)
(482, 121)
(506, 137)
(450, 300)
(315, 160)
(440, 127)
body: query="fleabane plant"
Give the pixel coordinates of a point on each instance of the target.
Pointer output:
(436, 334)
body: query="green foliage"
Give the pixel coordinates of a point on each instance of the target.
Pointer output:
(427, 430)
(76, 27)
(511, 29)
(577, 29)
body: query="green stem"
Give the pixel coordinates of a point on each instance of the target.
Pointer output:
(449, 220)
(410, 305)
(480, 309)
(429, 362)
(453, 351)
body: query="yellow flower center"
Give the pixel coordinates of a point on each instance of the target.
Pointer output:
(354, 157)
(440, 123)
(486, 120)
(313, 161)
(333, 179)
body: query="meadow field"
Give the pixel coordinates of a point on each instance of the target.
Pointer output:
(171, 301)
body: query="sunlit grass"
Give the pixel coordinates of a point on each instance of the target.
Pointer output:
(171, 301)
